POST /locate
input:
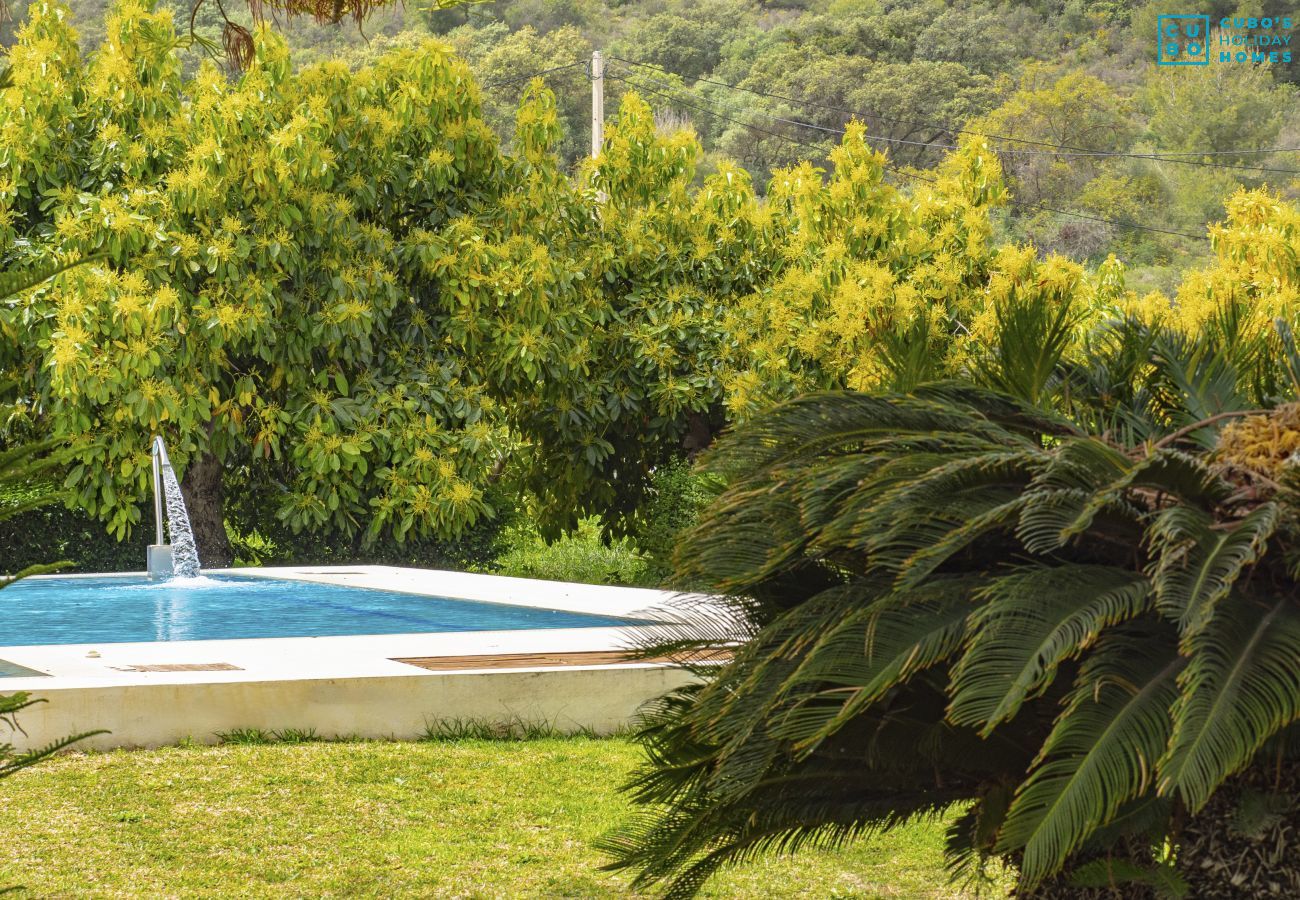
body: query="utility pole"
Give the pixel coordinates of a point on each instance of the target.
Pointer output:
(597, 102)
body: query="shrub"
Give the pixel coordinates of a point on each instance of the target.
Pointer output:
(677, 495)
(55, 532)
(585, 556)
(259, 537)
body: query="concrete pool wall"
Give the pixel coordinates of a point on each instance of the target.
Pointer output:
(370, 686)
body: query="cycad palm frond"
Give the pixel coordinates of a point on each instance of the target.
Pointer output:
(1108, 386)
(1218, 369)
(870, 653)
(1100, 754)
(1026, 361)
(1029, 623)
(1197, 560)
(1241, 686)
(16, 281)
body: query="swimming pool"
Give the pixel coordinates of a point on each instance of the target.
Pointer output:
(117, 609)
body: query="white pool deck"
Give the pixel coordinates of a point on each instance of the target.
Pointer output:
(350, 685)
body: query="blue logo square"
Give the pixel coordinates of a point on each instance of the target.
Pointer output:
(1182, 40)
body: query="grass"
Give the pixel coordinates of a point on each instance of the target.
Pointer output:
(438, 818)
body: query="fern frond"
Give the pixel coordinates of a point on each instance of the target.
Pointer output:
(16, 762)
(14, 282)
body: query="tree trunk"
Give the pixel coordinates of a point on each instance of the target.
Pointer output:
(699, 434)
(206, 502)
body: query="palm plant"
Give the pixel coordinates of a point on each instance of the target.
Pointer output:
(1040, 591)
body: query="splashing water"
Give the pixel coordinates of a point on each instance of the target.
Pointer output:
(185, 554)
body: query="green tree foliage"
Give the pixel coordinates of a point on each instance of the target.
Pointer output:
(1074, 110)
(599, 331)
(501, 54)
(1249, 105)
(916, 72)
(865, 265)
(687, 41)
(336, 283)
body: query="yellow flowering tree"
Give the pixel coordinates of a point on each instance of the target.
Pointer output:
(864, 263)
(1256, 263)
(336, 280)
(592, 305)
(253, 307)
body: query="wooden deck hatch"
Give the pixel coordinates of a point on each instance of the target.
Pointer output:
(180, 667)
(541, 660)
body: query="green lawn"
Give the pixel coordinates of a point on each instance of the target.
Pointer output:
(436, 819)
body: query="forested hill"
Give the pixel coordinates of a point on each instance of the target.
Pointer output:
(1063, 85)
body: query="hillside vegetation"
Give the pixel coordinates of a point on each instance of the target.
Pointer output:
(1065, 73)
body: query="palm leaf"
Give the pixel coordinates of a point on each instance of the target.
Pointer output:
(1241, 686)
(1168, 471)
(1100, 754)
(1112, 874)
(873, 651)
(909, 355)
(1196, 562)
(1030, 622)
(1207, 373)
(15, 762)
(14, 282)
(909, 528)
(1108, 388)
(1032, 338)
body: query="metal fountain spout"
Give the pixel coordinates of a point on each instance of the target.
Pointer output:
(180, 558)
(160, 552)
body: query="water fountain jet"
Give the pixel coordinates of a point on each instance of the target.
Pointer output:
(180, 558)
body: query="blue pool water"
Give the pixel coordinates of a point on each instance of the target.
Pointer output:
(113, 609)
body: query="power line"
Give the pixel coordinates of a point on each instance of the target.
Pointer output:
(516, 80)
(1161, 154)
(712, 112)
(1119, 223)
(1072, 150)
(1167, 156)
